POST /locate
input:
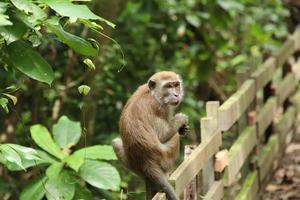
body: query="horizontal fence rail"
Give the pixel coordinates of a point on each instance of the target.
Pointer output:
(264, 112)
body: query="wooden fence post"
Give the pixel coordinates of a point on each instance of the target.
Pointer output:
(190, 192)
(208, 127)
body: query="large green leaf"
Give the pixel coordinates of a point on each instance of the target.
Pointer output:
(82, 193)
(34, 12)
(74, 161)
(66, 133)
(54, 170)
(34, 190)
(16, 157)
(28, 61)
(4, 18)
(61, 186)
(43, 139)
(79, 44)
(100, 174)
(102, 152)
(68, 9)
(10, 158)
(14, 32)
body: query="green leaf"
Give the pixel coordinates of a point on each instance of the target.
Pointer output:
(46, 157)
(74, 161)
(11, 97)
(43, 139)
(54, 170)
(78, 44)
(66, 132)
(30, 8)
(28, 157)
(193, 20)
(3, 104)
(10, 158)
(25, 59)
(68, 9)
(61, 187)
(100, 174)
(102, 152)
(89, 63)
(84, 89)
(82, 193)
(14, 32)
(34, 190)
(4, 20)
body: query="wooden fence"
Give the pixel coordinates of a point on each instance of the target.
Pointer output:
(264, 114)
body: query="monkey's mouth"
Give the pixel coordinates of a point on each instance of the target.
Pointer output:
(174, 102)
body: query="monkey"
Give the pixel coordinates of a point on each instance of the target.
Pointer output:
(150, 132)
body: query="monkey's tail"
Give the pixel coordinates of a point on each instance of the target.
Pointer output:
(157, 176)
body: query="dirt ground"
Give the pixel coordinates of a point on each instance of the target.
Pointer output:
(285, 183)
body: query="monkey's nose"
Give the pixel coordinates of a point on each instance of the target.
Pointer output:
(176, 95)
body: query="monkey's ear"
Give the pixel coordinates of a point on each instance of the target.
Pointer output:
(151, 84)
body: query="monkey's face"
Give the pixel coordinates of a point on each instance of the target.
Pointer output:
(167, 92)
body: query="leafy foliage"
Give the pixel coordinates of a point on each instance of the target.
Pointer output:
(63, 173)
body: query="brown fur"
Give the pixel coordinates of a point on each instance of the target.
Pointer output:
(150, 142)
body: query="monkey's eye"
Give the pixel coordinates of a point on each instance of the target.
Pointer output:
(176, 84)
(168, 85)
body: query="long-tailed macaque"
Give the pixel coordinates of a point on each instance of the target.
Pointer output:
(149, 142)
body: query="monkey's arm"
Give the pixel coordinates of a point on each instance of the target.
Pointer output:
(118, 147)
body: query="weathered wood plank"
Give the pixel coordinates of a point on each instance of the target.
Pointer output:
(216, 191)
(285, 124)
(190, 192)
(189, 168)
(159, 196)
(286, 87)
(264, 74)
(266, 115)
(296, 101)
(238, 154)
(296, 38)
(230, 111)
(250, 188)
(208, 127)
(267, 156)
(285, 52)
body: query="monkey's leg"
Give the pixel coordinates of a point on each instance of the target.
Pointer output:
(157, 176)
(117, 144)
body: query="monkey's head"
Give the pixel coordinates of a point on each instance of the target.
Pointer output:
(166, 87)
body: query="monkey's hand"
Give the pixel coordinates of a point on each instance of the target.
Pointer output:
(184, 130)
(181, 123)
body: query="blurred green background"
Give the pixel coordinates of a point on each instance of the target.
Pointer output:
(206, 41)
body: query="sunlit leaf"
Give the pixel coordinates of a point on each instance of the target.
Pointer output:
(14, 32)
(54, 170)
(78, 44)
(12, 97)
(74, 161)
(61, 186)
(66, 132)
(34, 190)
(89, 63)
(84, 89)
(43, 139)
(68, 9)
(100, 174)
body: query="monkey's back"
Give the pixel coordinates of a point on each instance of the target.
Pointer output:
(141, 144)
